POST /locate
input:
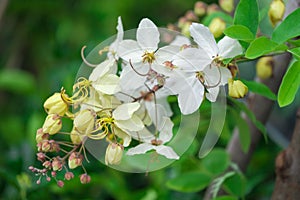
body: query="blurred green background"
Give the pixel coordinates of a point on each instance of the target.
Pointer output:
(40, 53)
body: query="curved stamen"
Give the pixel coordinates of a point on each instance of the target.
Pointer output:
(137, 71)
(84, 60)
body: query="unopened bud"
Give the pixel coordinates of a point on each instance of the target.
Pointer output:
(75, 160)
(52, 124)
(84, 178)
(57, 164)
(69, 176)
(191, 16)
(75, 137)
(60, 183)
(46, 146)
(237, 89)
(276, 11)
(40, 135)
(227, 5)
(181, 22)
(55, 105)
(185, 30)
(114, 153)
(233, 69)
(200, 8)
(84, 121)
(212, 8)
(264, 67)
(217, 27)
(41, 156)
(53, 174)
(47, 164)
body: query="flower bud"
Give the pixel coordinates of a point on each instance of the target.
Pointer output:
(55, 105)
(217, 26)
(47, 164)
(233, 69)
(41, 156)
(264, 67)
(75, 160)
(190, 16)
(227, 5)
(200, 8)
(46, 146)
(237, 89)
(60, 183)
(212, 8)
(69, 176)
(84, 178)
(75, 137)
(57, 164)
(276, 11)
(114, 153)
(181, 22)
(40, 135)
(185, 30)
(52, 124)
(84, 121)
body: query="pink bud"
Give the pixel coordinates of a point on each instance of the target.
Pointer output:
(40, 156)
(47, 164)
(31, 168)
(38, 182)
(60, 183)
(48, 179)
(69, 176)
(53, 173)
(84, 178)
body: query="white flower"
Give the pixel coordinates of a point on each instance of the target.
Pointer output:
(157, 144)
(113, 48)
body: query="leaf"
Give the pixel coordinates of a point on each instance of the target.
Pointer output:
(246, 14)
(227, 18)
(189, 182)
(289, 28)
(261, 89)
(239, 32)
(216, 162)
(294, 42)
(244, 132)
(17, 81)
(217, 183)
(226, 198)
(235, 185)
(289, 85)
(242, 107)
(295, 52)
(262, 46)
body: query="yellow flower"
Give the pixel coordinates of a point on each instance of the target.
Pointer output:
(264, 67)
(114, 153)
(276, 11)
(52, 124)
(84, 121)
(217, 26)
(55, 105)
(237, 89)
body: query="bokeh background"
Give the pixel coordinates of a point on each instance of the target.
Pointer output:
(40, 43)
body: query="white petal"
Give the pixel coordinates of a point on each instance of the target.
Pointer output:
(229, 48)
(166, 132)
(107, 66)
(204, 38)
(143, 135)
(130, 50)
(125, 137)
(166, 151)
(139, 149)
(225, 75)
(120, 33)
(108, 84)
(212, 94)
(191, 59)
(180, 40)
(132, 124)
(166, 53)
(147, 35)
(165, 104)
(125, 111)
(130, 80)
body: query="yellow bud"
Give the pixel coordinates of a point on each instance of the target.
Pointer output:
(227, 5)
(276, 11)
(185, 30)
(200, 8)
(75, 137)
(55, 105)
(212, 8)
(217, 26)
(264, 67)
(41, 136)
(52, 124)
(114, 153)
(181, 22)
(75, 160)
(84, 121)
(237, 89)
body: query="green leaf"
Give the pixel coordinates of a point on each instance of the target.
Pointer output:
(262, 46)
(227, 18)
(242, 107)
(235, 185)
(289, 28)
(246, 14)
(239, 32)
(217, 161)
(295, 52)
(294, 42)
(261, 89)
(289, 85)
(16, 81)
(226, 198)
(244, 132)
(189, 182)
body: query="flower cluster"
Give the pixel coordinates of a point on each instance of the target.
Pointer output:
(125, 97)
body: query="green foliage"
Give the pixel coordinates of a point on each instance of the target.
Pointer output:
(227, 18)
(261, 89)
(262, 46)
(226, 198)
(290, 85)
(289, 28)
(216, 161)
(239, 32)
(189, 182)
(295, 52)
(236, 185)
